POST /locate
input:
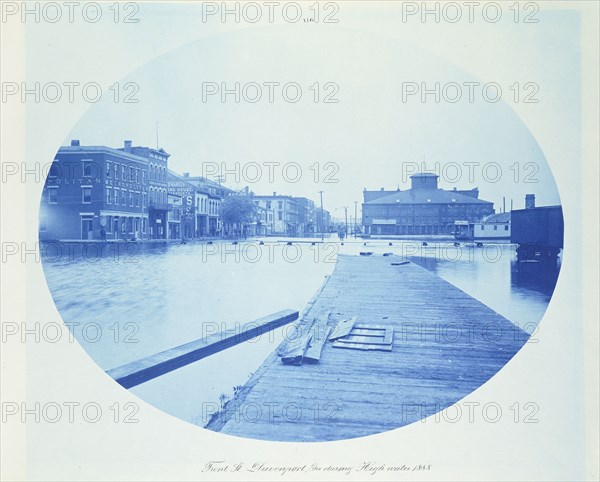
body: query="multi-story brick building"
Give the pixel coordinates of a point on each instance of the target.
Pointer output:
(177, 185)
(323, 220)
(423, 209)
(284, 211)
(306, 217)
(174, 215)
(210, 195)
(158, 205)
(95, 189)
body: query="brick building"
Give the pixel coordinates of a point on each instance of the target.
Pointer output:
(284, 213)
(93, 187)
(178, 186)
(158, 205)
(209, 195)
(422, 209)
(306, 217)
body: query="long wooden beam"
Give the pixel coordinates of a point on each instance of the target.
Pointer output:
(140, 371)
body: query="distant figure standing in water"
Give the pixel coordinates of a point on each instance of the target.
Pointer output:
(103, 233)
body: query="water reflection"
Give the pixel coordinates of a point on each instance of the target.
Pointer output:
(518, 291)
(540, 277)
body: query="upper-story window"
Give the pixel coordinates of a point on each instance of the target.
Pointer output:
(87, 168)
(54, 170)
(131, 173)
(137, 174)
(108, 164)
(123, 172)
(86, 195)
(143, 177)
(116, 171)
(280, 204)
(52, 195)
(268, 204)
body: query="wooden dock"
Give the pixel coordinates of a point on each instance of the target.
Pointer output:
(445, 345)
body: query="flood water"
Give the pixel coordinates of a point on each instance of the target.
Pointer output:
(122, 304)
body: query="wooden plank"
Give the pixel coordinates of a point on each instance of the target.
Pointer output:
(301, 329)
(343, 328)
(361, 346)
(323, 318)
(362, 326)
(313, 354)
(389, 335)
(296, 350)
(140, 371)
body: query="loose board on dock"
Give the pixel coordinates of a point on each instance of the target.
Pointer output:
(343, 328)
(313, 354)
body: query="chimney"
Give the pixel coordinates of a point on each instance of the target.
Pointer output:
(186, 174)
(381, 189)
(274, 194)
(529, 201)
(75, 142)
(127, 145)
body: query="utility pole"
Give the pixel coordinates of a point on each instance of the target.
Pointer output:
(321, 218)
(219, 178)
(355, 217)
(346, 213)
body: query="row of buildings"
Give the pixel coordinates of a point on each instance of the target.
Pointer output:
(100, 192)
(292, 216)
(97, 192)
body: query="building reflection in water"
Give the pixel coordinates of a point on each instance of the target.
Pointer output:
(538, 276)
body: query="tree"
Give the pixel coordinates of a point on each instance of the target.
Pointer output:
(238, 210)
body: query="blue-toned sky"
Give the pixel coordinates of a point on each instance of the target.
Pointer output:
(370, 133)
